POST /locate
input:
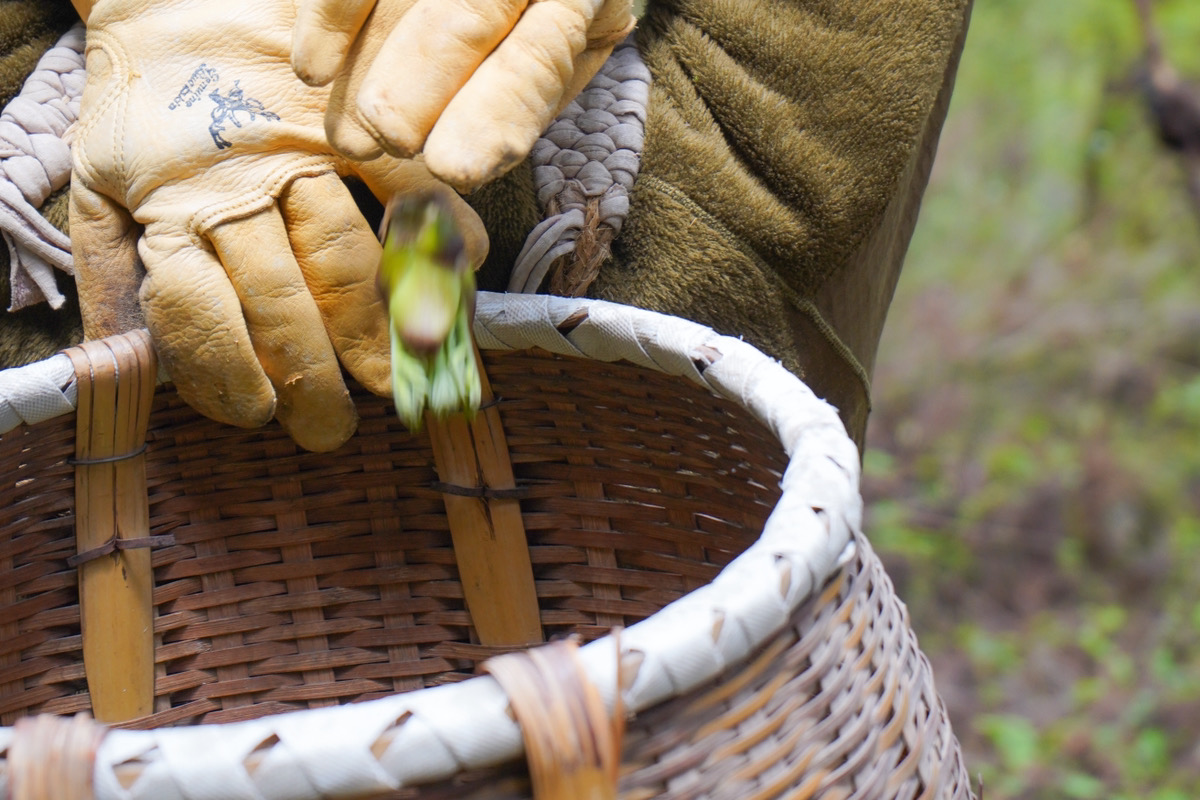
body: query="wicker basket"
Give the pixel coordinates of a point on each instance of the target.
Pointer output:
(701, 536)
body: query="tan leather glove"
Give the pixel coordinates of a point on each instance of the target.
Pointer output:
(472, 83)
(199, 151)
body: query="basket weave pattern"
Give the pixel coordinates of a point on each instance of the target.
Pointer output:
(842, 704)
(286, 580)
(298, 580)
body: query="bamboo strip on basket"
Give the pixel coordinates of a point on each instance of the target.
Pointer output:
(116, 380)
(572, 743)
(53, 758)
(488, 533)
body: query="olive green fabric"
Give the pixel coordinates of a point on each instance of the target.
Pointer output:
(28, 28)
(788, 143)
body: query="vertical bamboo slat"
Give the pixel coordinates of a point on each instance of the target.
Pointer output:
(116, 380)
(488, 533)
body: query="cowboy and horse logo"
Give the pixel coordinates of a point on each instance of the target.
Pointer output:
(228, 106)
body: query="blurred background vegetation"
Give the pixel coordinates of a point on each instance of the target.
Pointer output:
(1033, 466)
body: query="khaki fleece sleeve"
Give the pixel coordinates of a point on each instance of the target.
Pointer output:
(780, 135)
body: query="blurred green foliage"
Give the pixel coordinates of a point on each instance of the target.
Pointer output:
(1033, 465)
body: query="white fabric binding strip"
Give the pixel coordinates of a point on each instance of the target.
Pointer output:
(435, 733)
(37, 392)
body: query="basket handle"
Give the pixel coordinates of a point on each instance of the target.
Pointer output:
(116, 378)
(572, 744)
(53, 758)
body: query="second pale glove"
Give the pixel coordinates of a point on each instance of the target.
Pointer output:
(471, 83)
(204, 182)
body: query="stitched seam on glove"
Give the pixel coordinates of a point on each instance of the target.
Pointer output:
(116, 103)
(206, 219)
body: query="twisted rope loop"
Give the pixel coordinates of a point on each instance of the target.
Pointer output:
(584, 167)
(35, 160)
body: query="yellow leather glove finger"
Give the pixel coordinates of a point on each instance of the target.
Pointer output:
(437, 46)
(338, 255)
(194, 316)
(287, 330)
(493, 121)
(344, 126)
(324, 32)
(516, 63)
(243, 368)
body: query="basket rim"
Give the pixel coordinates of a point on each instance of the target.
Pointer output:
(437, 732)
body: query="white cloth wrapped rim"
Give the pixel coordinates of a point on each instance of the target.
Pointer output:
(435, 733)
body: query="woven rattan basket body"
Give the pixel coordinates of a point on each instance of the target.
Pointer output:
(715, 520)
